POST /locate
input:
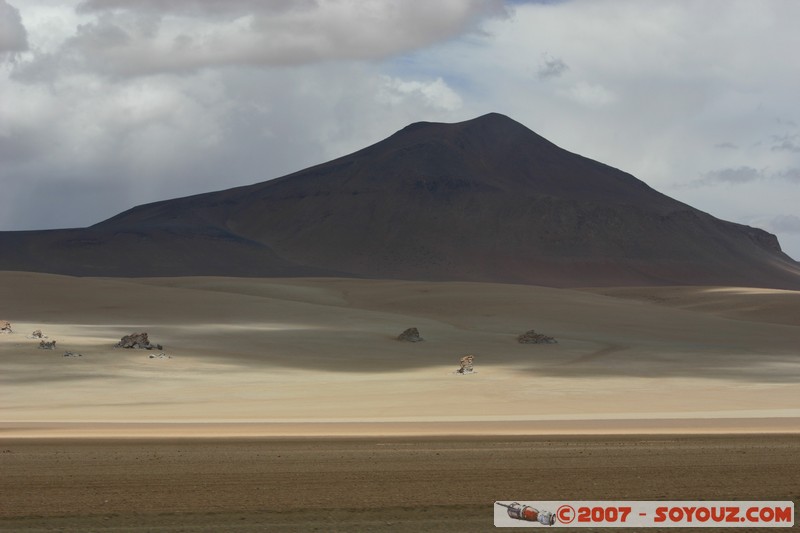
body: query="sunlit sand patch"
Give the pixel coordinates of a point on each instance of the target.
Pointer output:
(749, 290)
(333, 360)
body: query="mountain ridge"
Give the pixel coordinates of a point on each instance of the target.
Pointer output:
(481, 200)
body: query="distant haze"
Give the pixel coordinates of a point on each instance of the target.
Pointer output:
(109, 104)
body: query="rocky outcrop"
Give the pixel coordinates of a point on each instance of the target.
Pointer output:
(72, 354)
(531, 337)
(5, 326)
(466, 365)
(410, 335)
(137, 340)
(37, 334)
(159, 356)
(47, 345)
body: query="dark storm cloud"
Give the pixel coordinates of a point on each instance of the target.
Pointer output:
(789, 143)
(13, 37)
(739, 175)
(194, 7)
(790, 174)
(540, 2)
(745, 174)
(727, 145)
(551, 67)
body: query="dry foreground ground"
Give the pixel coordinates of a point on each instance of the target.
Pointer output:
(288, 405)
(367, 484)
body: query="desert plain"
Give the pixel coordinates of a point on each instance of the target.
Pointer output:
(288, 404)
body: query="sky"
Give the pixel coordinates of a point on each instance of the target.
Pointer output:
(108, 104)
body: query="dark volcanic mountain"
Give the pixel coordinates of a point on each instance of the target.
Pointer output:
(483, 200)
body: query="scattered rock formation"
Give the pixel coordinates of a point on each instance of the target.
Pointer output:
(410, 335)
(72, 354)
(37, 334)
(5, 326)
(531, 337)
(47, 345)
(466, 365)
(137, 340)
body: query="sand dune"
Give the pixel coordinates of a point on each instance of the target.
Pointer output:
(750, 304)
(266, 356)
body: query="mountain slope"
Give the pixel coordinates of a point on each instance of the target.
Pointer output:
(483, 200)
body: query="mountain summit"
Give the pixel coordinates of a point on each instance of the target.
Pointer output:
(481, 200)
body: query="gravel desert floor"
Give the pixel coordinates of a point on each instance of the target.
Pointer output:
(368, 484)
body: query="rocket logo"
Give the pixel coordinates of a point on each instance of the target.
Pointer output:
(527, 513)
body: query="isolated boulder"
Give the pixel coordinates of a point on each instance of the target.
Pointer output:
(466, 365)
(5, 326)
(531, 337)
(410, 335)
(37, 334)
(72, 354)
(47, 345)
(137, 340)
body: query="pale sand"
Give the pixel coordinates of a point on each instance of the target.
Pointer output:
(270, 357)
